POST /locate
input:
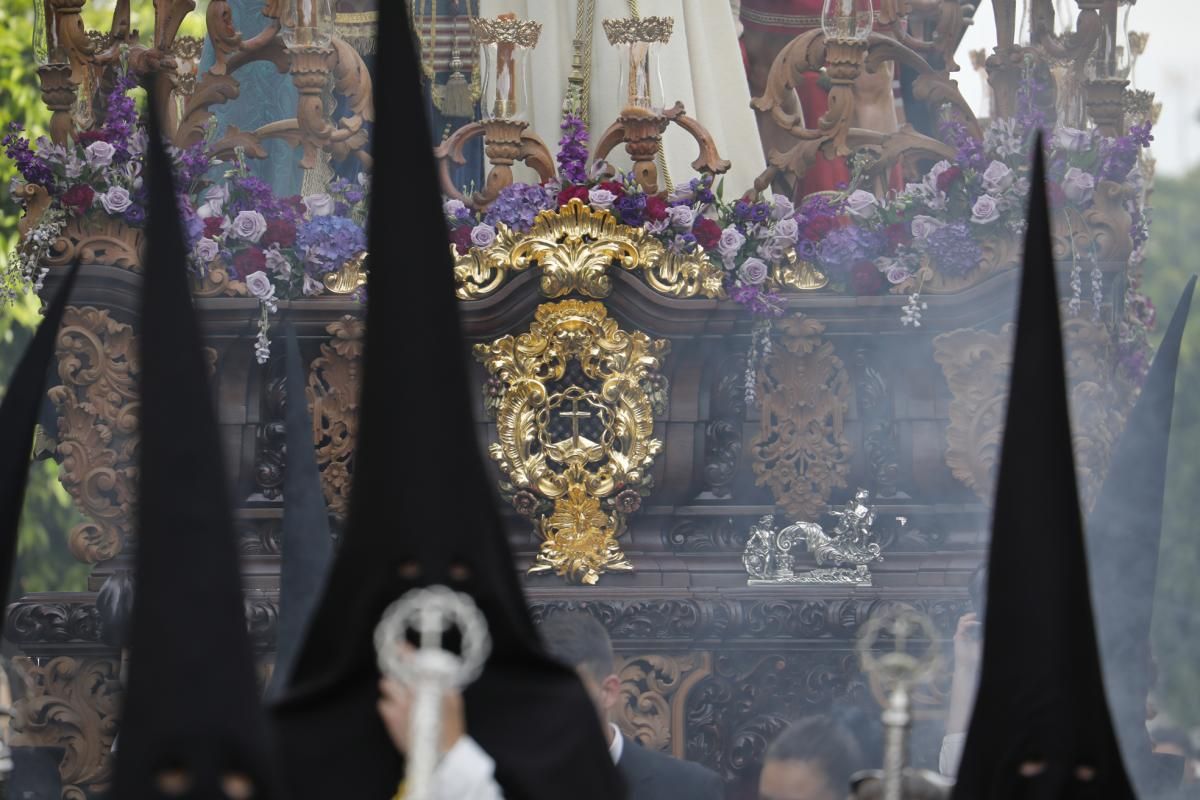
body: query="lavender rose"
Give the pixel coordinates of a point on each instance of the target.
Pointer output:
(682, 217)
(924, 226)
(116, 200)
(99, 154)
(260, 286)
(985, 210)
(454, 209)
(248, 225)
(1078, 185)
(753, 271)
(206, 250)
(997, 177)
(483, 235)
(783, 208)
(787, 228)
(602, 199)
(731, 241)
(897, 274)
(1071, 139)
(318, 205)
(862, 204)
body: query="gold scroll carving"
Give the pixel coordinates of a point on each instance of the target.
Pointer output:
(333, 384)
(654, 689)
(574, 403)
(574, 247)
(97, 428)
(976, 365)
(73, 703)
(802, 452)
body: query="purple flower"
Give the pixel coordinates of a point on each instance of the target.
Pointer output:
(135, 215)
(116, 200)
(206, 250)
(731, 242)
(1071, 139)
(572, 150)
(248, 225)
(601, 198)
(1078, 186)
(842, 248)
(632, 209)
(99, 154)
(953, 250)
(923, 226)
(328, 242)
(682, 217)
(862, 204)
(786, 228)
(260, 286)
(783, 208)
(1140, 134)
(997, 178)
(758, 301)
(753, 271)
(969, 150)
(456, 209)
(483, 236)
(33, 167)
(985, 210)
(518, 205)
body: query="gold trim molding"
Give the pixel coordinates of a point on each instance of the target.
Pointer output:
(574, 400)
(631, 30)
(574, 247)
(499, 30)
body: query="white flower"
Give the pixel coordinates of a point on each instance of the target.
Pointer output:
(214, 198)
(1078, 185)
(1004, 139)
(116, 200)
(787, 228)
(483, 235)
(455, 209)
(73, 166)
(862, 204)
(99, 154)
(206, 250)
(783, 208)
(997, 177)
(924, 226)
(312, 288)
(911, 312)
(731, 241)
(682, 217)
(364, 180)
(248, 225)
(601, 199)
(262, 347)
(753, 271)
(260, 286)
(931, 179)
(1071, 139)
(985, 210)
(657, 226)
(318, 205)
(277, 262)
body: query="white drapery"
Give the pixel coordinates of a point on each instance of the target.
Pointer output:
(701, 67)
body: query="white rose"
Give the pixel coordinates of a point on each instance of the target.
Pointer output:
(207, 250)
(214, 198)
(1071, 139)
(862, 204)
(260, 286)
(997, 177)
(924, 226)
(682, 217)
(248, 225)
(318, 205)
(116, 200)
(1078, 185)
(99, 154)
(601, 198)
(312, 287)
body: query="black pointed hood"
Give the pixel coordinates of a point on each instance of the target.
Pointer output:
(307, 546)
(1041, 698)
(191, 715)
(18, 418)
(1123, 541)
(423, 512)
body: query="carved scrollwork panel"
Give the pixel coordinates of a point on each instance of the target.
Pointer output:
(333, 388)
(653, 690)
(574, 400)
(801, 452)
(72, 703)
(97, 427)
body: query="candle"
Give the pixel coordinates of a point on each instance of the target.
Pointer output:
(506, 84)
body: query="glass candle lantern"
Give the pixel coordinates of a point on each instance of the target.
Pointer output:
(46, 49)
(307, 23)
(848, 20)
(505, 43)
(640, 88)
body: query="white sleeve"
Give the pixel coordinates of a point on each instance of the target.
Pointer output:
(952, 750)
(466, 773)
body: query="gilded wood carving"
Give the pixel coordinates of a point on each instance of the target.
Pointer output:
(97, 428)
(654, 691)
(73, 703)
(574, 247)
(574, 400)
(802, 453)
(333, 386)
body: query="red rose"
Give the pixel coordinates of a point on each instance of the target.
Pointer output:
(461, 237)
(865, 278)
(947, 178)
(296, 203)
(707, 233)
(897, 234)
(79, 198)
(249, 260)
(573, 193)
(816, 228)
(84, 138)
(212, 227)
(616, 188)
(281, 232)
(1055, 194)
(656, 208)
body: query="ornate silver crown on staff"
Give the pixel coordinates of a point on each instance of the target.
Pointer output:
(429, 670)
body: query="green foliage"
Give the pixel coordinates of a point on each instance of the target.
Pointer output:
(1171, 260)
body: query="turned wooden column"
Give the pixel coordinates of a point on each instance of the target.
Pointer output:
(58, 93)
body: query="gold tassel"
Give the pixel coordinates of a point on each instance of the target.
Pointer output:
(456, 97)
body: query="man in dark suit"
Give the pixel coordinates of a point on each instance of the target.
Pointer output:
(581, 642)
